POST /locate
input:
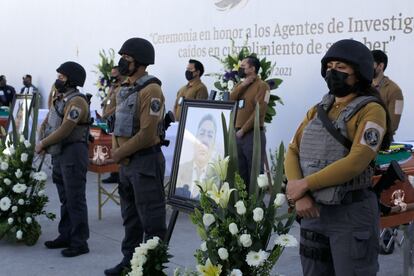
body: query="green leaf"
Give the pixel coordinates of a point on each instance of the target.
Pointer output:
(256, 158)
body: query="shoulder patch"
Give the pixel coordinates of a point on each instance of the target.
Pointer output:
(155, 107)
(372, 135)
(399, 105)
(74, 113)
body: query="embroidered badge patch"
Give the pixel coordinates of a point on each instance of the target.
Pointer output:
(372, 135)
(155, 106)
(74, 113)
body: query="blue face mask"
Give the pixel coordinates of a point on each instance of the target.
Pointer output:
(336, 82)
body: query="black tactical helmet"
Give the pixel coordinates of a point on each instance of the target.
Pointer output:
(140, 49)
(74, 72)
(353, 53)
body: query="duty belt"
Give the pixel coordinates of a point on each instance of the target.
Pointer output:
(314, 236)
(355, 196)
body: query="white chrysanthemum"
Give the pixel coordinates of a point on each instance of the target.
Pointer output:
(21, 138)
(203, 246)
(7, 181)
(279, 200)
(153, 243)
(223, 253)
(262, 181)
(233, 228)
(39, 176)
(236, 272)
(10, 221)
(5, 203)
(23, 157)
(258, 214)
(240, 208)
(20, 201)
(208, 219)
(246, 240)
(18, 173)
(19, 188)
(29, 220)
(223, 84)
(4, 166)
(12, 150)
(14, 209)
(256, 259)
(286, 240)
(41, 193)
(19, 234)
(27, 144)
(230, 85)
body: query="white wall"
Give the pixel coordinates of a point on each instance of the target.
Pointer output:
(37, 36)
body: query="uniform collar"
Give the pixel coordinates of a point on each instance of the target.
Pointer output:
(193, 83)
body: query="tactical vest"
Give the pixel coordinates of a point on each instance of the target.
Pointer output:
(318, 149)
(55, 117)
(127, 101)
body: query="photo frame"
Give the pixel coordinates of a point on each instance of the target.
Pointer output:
(200, 140)
(21, 110)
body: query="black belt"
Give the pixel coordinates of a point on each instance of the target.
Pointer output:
(355, 196)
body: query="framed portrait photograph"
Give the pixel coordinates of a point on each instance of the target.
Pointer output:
(21, 110)
(200, 141)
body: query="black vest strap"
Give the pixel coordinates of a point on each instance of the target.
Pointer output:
(323, 116)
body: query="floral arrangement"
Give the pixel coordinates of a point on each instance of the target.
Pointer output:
(22, 196)
(236, 222)
(231, 63)
(104, 72)
(149, 258)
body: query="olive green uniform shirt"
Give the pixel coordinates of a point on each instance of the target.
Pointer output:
(68, 123)
(193, 90)
(147, 134)
(257, 92)
(349, 166)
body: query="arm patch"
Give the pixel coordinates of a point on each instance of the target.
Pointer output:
(155, 107)
(74, 114)
(372, 136)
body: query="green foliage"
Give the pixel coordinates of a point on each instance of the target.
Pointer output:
(107, 62)
(22, 197)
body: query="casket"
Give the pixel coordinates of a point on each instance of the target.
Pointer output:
(400, 197)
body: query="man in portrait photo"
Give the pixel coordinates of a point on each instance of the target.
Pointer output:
(203, 153)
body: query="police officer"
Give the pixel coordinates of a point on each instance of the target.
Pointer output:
(389, 91)
(136, 146)
(66, 137)
(194, 89)
(7, 92)
(247, 93)
(328, 167)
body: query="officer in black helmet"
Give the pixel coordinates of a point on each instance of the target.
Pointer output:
(65, 138)
(136, 146)
(328, 167)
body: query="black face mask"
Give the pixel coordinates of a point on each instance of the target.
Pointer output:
(241, 72)
(189, 75)
(60, 86)
(337, 85)
(114, 79)
(123, 66)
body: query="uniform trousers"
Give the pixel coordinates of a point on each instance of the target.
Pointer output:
(351, 232)
(141, 189)
(69, 175)
(245, 154)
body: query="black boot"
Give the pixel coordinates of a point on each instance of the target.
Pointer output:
(75, 251)
(113, 178)
(57, 243)
(118, 270)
